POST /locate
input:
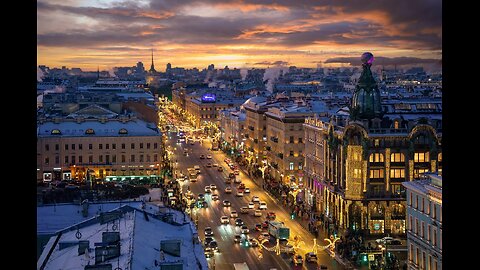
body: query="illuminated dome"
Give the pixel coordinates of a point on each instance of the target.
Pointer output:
(366, 103)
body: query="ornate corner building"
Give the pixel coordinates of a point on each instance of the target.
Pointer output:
(355, 162)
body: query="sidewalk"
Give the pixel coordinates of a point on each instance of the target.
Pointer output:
(322, 233)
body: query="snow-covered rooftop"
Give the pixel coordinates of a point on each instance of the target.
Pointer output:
(140, 238)
(109, 128)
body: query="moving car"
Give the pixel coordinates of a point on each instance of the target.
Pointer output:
(236, 172)
(226, 203)
(237, 238)
(213, 187)
(202, 156)
(258, 227)
(258, 213)
(224, 220)
(233, 214)
(208, 231)
(213, 245)
(201, 197)
(264, 235)
(253, 242)
(207, 241)
(237, 181)
(215, 164)
(311, 257)
(220, 169)
(262, 206)
(209, 165)
(244, 210)
(209, 156)
(214, 197)
(228, 190)
(271, 215)
(247, 190)
(207, 189)
(255, 199)
(251, 205)
(245, 229)
(239, 193)
(238, 222)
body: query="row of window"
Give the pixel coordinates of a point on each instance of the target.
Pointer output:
(428, 233)
(100, 146)
(400, 157)
(292, 166)
(422, 261)
(300, 140)
(429, 208)
(72, 160)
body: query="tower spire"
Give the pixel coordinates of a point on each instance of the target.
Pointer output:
(152, 67)
(98, 72)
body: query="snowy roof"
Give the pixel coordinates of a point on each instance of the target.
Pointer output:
(52, 218)
(140, 238)
(254, 101)
(136, 95)
(109, 128)
(94, 111)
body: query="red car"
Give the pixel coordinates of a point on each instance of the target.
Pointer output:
(271, 215)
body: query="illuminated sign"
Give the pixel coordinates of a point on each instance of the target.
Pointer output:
(208, 98)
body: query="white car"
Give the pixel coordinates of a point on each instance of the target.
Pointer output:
(207, 189)
(228, 190)
(224, 220)
(233, 214)
(209, 156)
(262, 206)
(247, 190)
(239, 193)
(215, 164)
(251, 205)
(213, 187)
(255, 199)
(258, 213)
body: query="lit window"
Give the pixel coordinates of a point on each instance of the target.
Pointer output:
(397, 173)
(291, 166)
(357, 173)
(56, 132)
(439, 157)
(396, 124)
(397, 157)
(123, 131)
(89, 131)
(376, 157)
(422, 157)
(378, 173)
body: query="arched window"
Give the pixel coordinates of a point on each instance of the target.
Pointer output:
(123, 131)
(90, 131)
(56, 132)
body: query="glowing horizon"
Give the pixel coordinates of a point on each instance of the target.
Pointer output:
(234, 33)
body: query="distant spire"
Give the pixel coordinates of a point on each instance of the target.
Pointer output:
(152, 67)
(98, 72)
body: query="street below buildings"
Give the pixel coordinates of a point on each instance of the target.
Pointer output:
(231, 252)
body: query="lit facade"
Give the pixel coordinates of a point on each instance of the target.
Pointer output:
(424, 232)
(356, 162)
(232, 126)
(115, 146)
(256, 128)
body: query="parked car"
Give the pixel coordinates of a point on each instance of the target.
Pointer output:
(388, 240)
(311, 257)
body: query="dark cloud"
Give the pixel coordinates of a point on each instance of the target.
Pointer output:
(386, 61)
(269, 63)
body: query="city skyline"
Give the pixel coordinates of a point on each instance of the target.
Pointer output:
(238, 34)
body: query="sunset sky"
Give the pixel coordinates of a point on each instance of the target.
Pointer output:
(237, 33)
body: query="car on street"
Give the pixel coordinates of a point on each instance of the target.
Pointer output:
(258, 227)
(297, 260)
(258, 213)
(202, 156)
(220, 169)
(388, 240)
(251, 205)
(215, 164)
(247, 190)
(214, 197)
(207, 240)
(209, 156)
(253, 242)
(213, 245)
(237, 181)
(201, 197)
(255, 199)
(311, 257)
(236, 172)
(231, 175)
(244, 210)
(226, 203)
(239, 193)
(238, 222)
(213, 186)
(208, 189)
(224, 220)
(262, 206)
(271, 215)
(208, 231)
(209, 252)
(233, 214)
(209, 165)
(228, 190)
(245, 229)
(237, 238)
(265, 225)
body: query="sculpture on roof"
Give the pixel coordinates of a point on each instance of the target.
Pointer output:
(366, 103)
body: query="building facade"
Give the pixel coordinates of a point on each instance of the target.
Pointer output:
(424, 233)
(357, 161)
(98, 143)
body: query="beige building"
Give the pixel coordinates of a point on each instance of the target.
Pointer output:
(256, 128)
(97, 141)
(285, 145)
